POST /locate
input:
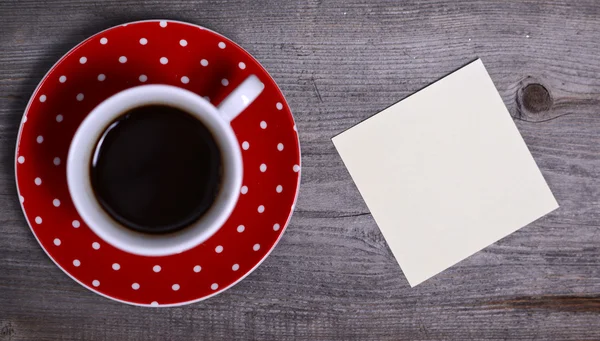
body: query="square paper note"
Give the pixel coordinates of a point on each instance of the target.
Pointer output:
(445, 172)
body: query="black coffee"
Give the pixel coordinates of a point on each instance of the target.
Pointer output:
(156, 169)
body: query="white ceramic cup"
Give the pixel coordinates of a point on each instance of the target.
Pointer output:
(216, 119)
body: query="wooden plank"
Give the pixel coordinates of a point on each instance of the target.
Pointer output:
(332, 276)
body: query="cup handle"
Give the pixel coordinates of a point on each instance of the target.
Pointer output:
(240, 98)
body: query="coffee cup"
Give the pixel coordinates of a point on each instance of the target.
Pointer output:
(128, 203)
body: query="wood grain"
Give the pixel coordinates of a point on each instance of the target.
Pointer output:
(332, 277)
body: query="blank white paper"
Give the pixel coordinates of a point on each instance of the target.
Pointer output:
(445, 172)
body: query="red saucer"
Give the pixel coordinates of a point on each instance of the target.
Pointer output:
(159, 52)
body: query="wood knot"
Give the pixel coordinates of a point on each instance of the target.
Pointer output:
(535, 98)
(7, 330)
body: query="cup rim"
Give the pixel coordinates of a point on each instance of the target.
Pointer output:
(107, 228)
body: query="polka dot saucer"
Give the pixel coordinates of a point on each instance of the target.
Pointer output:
(157, 52)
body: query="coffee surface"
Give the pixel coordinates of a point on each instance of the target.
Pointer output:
(156, 169)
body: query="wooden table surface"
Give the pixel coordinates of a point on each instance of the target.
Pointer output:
(332, 276)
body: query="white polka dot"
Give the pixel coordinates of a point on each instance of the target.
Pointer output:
(225, 82)
(261, 209)
(183, 42)
(221, 45)
(43, 98)
(96, 283)
(76, 262)
(95, 245)
(37, 181)
(154, 304)
(276, 227)
(219, 249)
(280, 146)
(156, 268)
(164, 60)
(245, 145)
(244, 189)
(197, 268)
(235, 267)
(185, 80)
(56, 202)
(143, 78)
(59, 118)
(22, 199)
(122, 59)
(56, 161)
(75, 223)
(80, 97)
(163, 23)
(263, 168)
(39, 139)
(263, 124)
(82, 60)
(204, 62)
(56, 241)
(241, 228)
(116, 266)
(101, 77)
(38, 220)
(279, 188)
(62, 79)
(143, 41)
(295, 129)
(103, 41)
(21, 159)
(24, 118)
(242, 65)
(175, 287)
(256, 247)
(135, 286)
(279, 106)
(296, 168)
(214, 286)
